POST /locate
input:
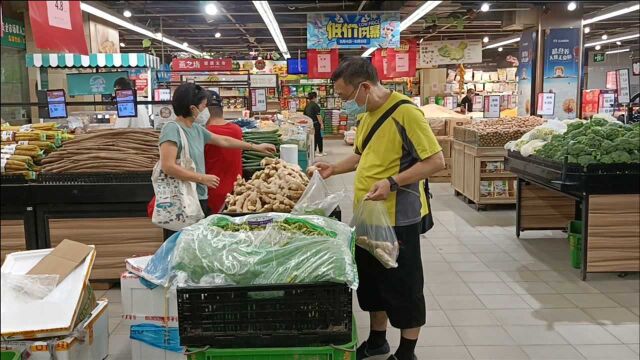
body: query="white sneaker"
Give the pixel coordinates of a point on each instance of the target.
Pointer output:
(324, 154)
(320, 154)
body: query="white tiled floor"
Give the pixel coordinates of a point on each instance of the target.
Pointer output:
(491, 295)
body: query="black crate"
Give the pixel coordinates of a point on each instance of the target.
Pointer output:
(95, 178)
(259, 316)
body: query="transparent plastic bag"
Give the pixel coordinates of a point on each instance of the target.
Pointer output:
(269, 248)
(21, 288)
(374, 232)
(317, 199)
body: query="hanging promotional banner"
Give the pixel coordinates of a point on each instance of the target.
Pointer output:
(379, 61)
(93, 83)
(202, 64)
(526, 66)
(561, 56)
(450, 52)
(261, 66)
(140, 79)
(13, 33)
(322, 63)
(401, 62)
(353, 30)
(623, 86)
(58, 26)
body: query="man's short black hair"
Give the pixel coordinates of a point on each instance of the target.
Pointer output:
(470, 90)
(214, 103)
(312, 95)
(187, 94)
(355, 70)
(122, 83)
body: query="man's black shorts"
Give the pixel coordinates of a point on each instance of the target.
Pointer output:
(399, 291)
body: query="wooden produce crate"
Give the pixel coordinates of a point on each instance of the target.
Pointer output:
(478, 174)
(12, 237)
(115, 239)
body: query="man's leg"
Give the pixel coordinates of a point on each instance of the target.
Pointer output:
(403, 291)
(369, 269)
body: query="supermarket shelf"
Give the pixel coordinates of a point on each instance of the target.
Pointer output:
(498, 175)
(489, 201)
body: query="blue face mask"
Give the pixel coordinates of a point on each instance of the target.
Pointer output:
(352, 108)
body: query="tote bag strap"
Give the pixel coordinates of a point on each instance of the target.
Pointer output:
(184, 154)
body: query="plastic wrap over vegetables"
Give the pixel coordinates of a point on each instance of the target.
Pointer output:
(270, 248)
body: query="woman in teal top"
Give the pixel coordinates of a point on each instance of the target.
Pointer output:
(189, 100)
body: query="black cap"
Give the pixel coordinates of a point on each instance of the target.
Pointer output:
(214, 99)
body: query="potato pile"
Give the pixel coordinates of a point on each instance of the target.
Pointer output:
(498, 132)
(106, 151)
(277, 188)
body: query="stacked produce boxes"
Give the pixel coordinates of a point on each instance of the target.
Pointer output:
(442, 122)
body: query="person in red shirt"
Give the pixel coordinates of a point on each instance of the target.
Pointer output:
(224, 163)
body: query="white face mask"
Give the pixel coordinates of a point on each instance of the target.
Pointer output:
(203, 117)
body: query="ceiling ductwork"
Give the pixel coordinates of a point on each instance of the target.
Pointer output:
(519, 20)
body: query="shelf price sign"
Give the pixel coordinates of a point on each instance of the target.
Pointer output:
(623, 85)
(546, 103)
(606, 102)
(258, 100)
(491, 106)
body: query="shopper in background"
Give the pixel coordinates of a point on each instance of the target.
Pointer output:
(312, 110)
(142, 119)
(393, 155)
(466, 104)
(226, 164)
(189, 100)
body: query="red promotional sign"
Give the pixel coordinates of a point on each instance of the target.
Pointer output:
(379, 61)
(58, 26)
(402, 61)
(322, 63)
(225, 64)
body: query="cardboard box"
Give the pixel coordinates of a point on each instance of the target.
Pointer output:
(89, 341)
(452, 123)
(445, 144)
(438, 126)
(143, 305)
(62, 260)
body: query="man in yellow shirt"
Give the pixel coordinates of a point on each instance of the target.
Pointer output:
(394, 152)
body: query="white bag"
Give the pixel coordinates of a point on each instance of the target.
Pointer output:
(177, 204)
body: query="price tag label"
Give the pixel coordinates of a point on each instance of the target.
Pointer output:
(606, 103)
(623, 86)
(7, 135)
(25, 128)
(58, 14)
(546, 103)
(491, 106)
(402, 62)
(9, 149)
(324, 63)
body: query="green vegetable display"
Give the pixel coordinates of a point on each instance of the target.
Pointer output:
(267, 248)
(251, 159)
(595, 142)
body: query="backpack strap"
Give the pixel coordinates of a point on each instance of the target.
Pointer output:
(381, 121)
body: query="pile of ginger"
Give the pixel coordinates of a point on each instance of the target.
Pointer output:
(277, 188)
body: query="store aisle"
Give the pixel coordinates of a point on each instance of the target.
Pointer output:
(491, 295)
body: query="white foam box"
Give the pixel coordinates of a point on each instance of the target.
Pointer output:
(143, 305)
(142, 351)
(54, 315)
(89, 341)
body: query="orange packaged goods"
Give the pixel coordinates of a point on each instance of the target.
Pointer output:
(342, 127)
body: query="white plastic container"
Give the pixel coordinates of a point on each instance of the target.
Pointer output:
(90, 340)
(143, 305)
